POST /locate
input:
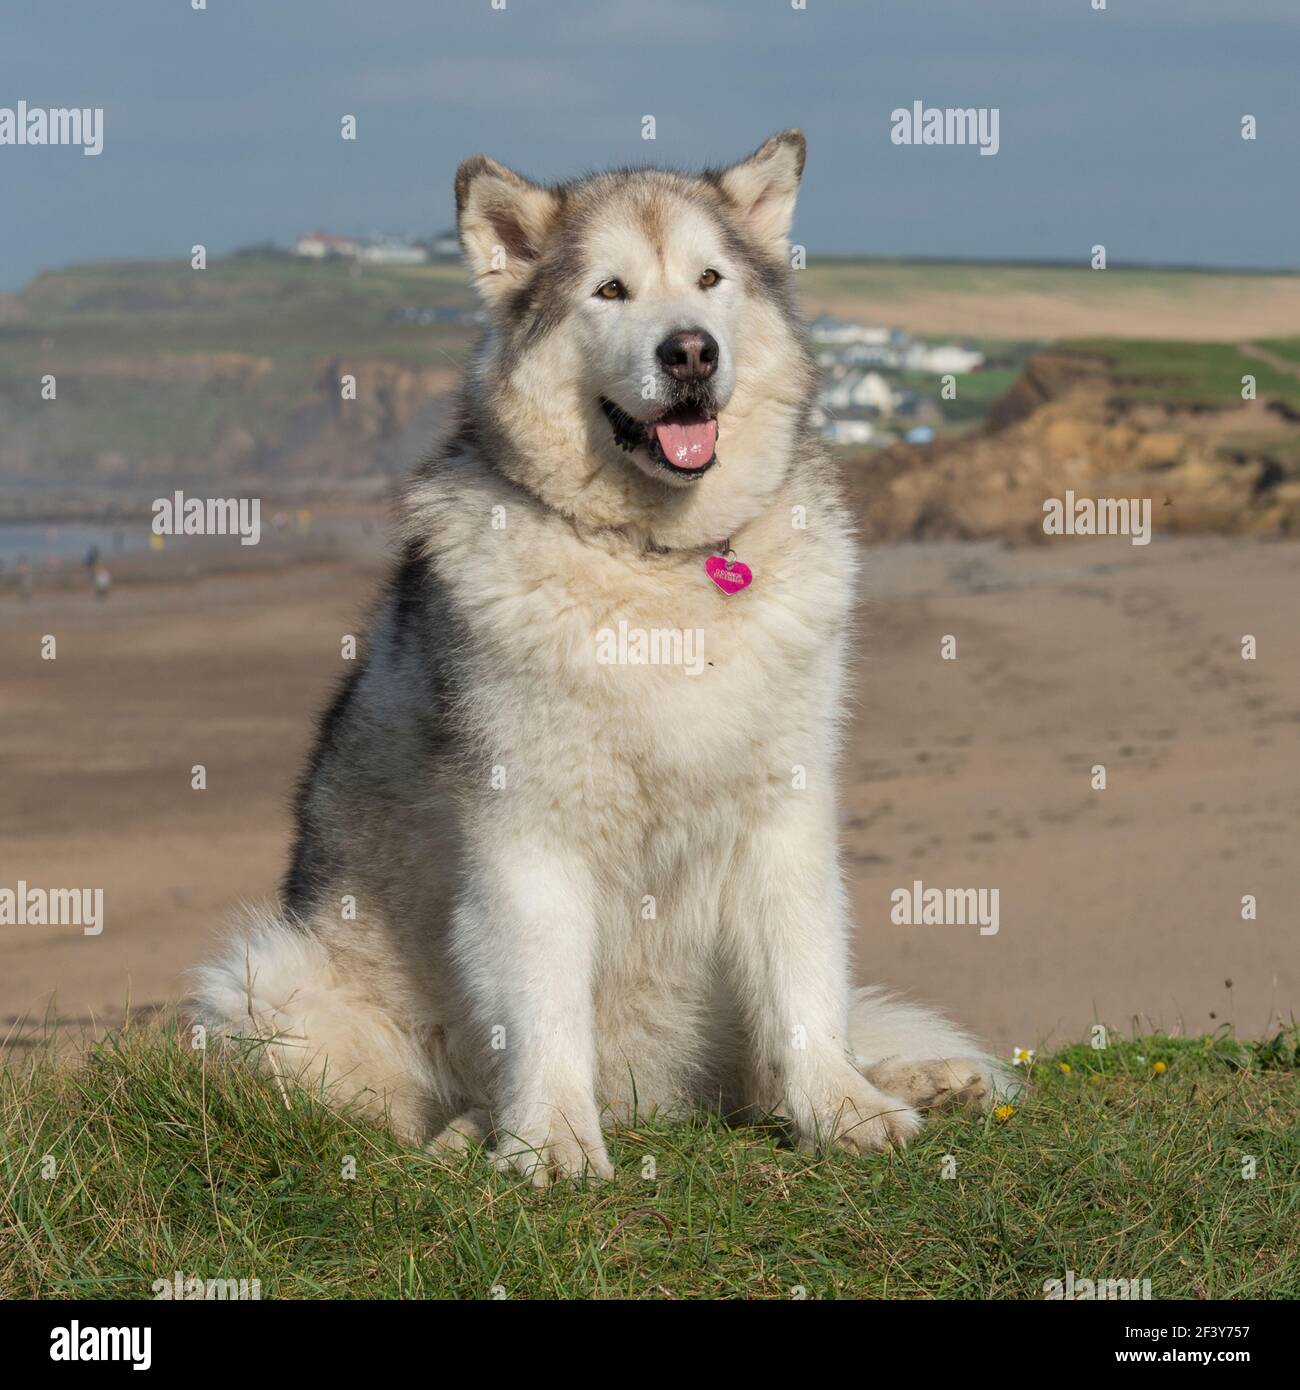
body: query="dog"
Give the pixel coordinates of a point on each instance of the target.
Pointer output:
(548, 873)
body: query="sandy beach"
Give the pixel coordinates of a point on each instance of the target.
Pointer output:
(1120, 904)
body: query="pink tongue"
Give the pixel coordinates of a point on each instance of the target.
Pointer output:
(688, 446)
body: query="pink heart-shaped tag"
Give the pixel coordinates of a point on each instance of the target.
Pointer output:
(731, 579)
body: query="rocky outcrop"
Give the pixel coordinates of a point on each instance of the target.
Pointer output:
(336, 433)
(387, 395)
(1059, 429)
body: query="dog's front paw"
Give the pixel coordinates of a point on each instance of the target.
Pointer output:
(847, 1112)
(546, 1140)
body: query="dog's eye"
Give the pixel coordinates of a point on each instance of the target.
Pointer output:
(709, 279)
(612, 289)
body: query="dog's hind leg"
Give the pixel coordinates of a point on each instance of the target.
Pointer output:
(328, 1015)
(913, 1052)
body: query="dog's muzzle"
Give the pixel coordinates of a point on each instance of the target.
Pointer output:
(682, 440)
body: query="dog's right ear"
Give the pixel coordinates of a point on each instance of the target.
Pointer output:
(763, 188)
(503, 221)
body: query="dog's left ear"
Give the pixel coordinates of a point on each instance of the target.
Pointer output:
(763, 188)
(503, 220)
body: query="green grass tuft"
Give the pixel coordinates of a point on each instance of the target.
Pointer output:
(1187, 374)
(165, 1160)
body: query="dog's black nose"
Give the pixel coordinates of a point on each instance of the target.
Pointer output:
(691, 355)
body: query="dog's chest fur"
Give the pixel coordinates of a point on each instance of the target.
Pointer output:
(629, 750)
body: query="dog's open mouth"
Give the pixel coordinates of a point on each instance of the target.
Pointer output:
(683, 440)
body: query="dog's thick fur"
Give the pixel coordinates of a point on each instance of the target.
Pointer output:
(531, 891)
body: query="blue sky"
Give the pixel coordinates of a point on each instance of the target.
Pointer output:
(222, 126)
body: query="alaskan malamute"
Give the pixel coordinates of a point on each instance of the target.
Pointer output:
(567, 846)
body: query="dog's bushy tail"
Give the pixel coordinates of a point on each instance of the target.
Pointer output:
(275, 990)
(892, 1038)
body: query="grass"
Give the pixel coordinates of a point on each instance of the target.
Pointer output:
(1127, 1165)
(290, 314)
(1191, 374)
(1288, 348)
(885, 280)
(976, 391)
(116, 335)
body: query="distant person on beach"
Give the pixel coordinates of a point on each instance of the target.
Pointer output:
(103, 582)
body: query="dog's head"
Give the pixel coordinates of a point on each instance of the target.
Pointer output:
(642, 334)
